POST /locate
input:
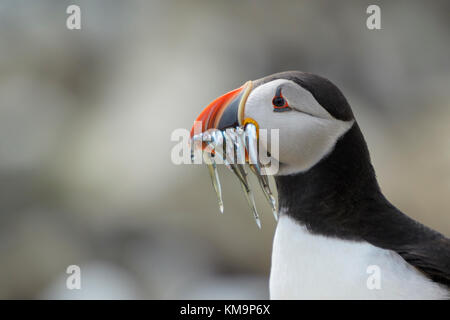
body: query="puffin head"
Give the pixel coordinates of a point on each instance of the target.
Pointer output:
(309, 111)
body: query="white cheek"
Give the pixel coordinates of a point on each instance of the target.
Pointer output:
(303, 139)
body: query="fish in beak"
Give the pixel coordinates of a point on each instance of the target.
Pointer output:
(223, 135)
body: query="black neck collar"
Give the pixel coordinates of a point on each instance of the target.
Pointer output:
(330, 198)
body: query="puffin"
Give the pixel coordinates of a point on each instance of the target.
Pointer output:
(337, 236)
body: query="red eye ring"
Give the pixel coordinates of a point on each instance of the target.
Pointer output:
(279, 102)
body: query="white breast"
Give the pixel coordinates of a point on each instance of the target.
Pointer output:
(308, 266)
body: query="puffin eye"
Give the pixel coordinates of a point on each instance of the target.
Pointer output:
(279, 103)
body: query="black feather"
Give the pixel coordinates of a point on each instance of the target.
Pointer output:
(340, 196)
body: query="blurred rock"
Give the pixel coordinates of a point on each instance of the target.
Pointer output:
(86, 117)
(99, 280)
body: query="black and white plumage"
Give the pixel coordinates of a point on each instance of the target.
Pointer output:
(334, 220)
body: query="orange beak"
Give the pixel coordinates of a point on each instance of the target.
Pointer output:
(225, 112)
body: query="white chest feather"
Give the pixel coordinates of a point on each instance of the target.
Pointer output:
(308, 266)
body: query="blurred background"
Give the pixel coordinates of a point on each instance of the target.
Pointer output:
(86, 116)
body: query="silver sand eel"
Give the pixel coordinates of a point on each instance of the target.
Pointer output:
(252, 146)
(237, 142)
(212, 168)
(239, 171)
